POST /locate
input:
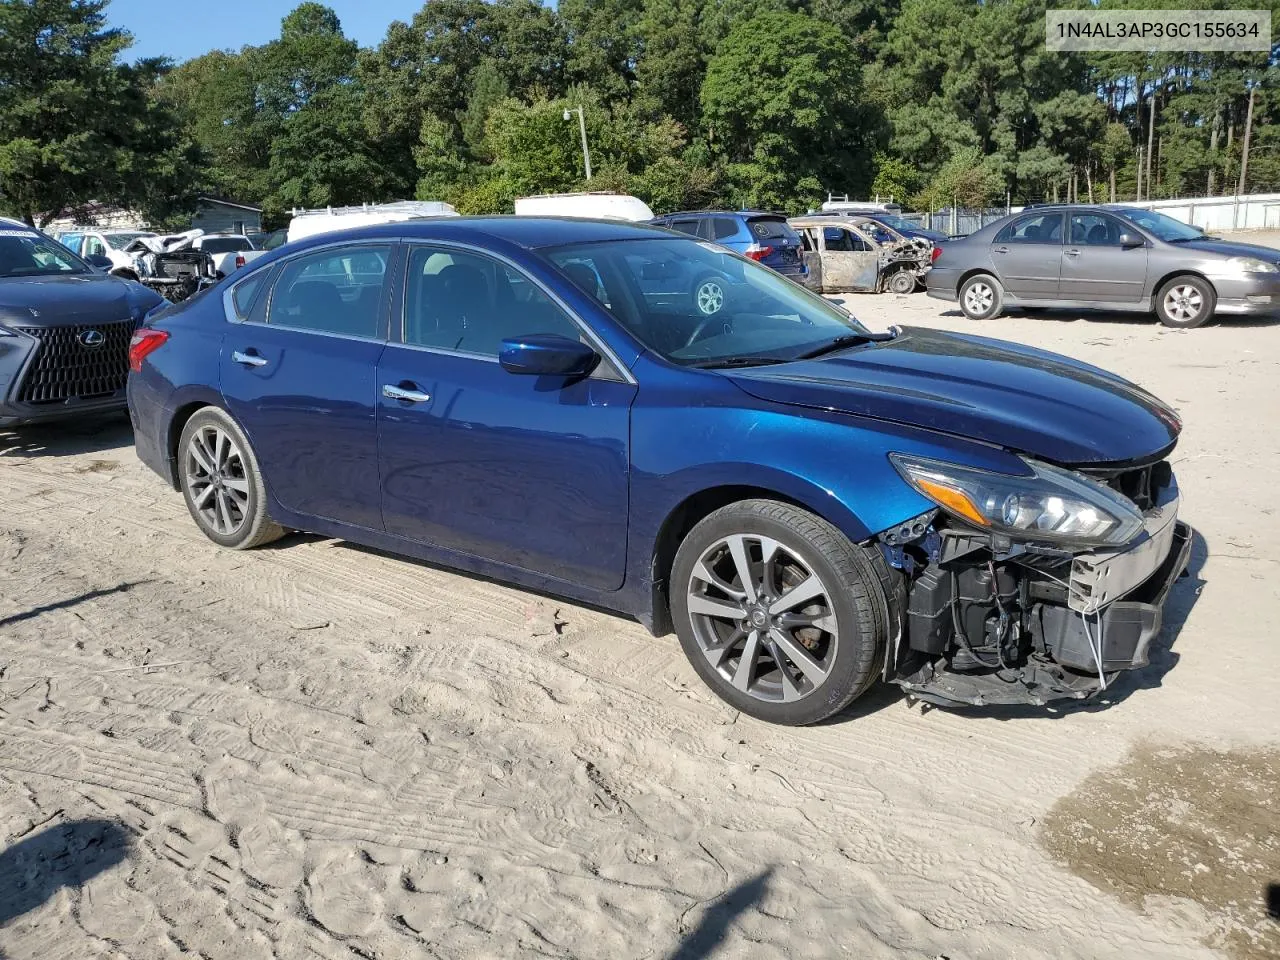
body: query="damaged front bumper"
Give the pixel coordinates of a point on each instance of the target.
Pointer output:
(981, 621)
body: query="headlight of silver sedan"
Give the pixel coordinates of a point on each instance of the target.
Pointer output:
(1051, 505)
(1252, 265)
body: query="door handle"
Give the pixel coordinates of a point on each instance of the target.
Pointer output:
(249, 359)
(1071, 253)
(392, 392)
(1000, 250)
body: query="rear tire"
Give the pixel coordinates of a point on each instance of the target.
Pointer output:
(1185, 302)
(221, 482)
(790, 663)
(981, 297)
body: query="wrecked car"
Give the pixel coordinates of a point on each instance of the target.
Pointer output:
(811, 506)
(859, 255)
(171, 265)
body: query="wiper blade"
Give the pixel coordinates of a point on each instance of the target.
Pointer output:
(846, 340)
(736, 362)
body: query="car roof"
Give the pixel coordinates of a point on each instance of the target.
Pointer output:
(722, 213)
(524, 231)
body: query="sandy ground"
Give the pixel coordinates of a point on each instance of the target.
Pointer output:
(318, 750)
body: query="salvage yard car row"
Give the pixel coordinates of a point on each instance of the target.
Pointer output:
(649, 422)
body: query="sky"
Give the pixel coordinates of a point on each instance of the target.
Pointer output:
(182, 30)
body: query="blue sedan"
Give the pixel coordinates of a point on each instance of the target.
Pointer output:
(809, 505)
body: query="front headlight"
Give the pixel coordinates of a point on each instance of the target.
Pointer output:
(1252, 265)
(1051, 504)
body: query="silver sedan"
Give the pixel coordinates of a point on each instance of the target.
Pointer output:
(1105, 258)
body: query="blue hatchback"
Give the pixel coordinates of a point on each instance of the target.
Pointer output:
(810, 505)
(760, 236)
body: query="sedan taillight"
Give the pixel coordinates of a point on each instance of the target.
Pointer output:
(937, 252)
(240, 261)
(144, 343)
(757, 252)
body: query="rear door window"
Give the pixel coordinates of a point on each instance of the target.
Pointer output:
(337, 290)
(688, 226)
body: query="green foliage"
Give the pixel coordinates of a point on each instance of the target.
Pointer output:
(76, 124)
(688, 103)
(967, 179)
(781, 105)
(894, 178)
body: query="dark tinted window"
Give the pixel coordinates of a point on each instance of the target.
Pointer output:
(771, 228)
(470, 303)
(1095, 230)
(838, 240)
(333, 291)
(723, 227)
(1037, 228)
(225, 244)
(684, 226)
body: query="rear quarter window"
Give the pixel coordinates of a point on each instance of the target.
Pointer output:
(245, 292)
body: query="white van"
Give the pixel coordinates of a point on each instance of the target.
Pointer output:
(596, 206)
(308, 223)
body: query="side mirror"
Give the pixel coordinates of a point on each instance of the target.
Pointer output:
(547, 355)
(98, 260)
(1130, 240)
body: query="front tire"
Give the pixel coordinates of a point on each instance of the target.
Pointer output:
(902, 282)
(981, 297)
(1185, 302)
(778, 612)
(222, 483)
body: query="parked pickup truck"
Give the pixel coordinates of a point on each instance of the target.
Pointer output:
(230, 251)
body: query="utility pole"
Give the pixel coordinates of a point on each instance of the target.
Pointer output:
(1151, 133)
(582, 128)
(1244, 153)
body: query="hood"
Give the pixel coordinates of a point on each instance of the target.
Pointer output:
(1026, 400)
(933, 236)
(83, 298)
(1229, 248)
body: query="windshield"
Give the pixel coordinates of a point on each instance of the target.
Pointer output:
(697, 303)
(899, 223)
(118, 241)
(30, 255)
(225, 244)
(1166, 228)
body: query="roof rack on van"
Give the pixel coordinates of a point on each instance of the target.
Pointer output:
(418, 208)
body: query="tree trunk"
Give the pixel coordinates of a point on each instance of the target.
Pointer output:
(1088, 179)
(1213, 146)
(1138, 190)
(1113, 183)
(1244, 152)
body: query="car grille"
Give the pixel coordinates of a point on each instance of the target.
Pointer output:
(65, 368)
(1141, 484)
